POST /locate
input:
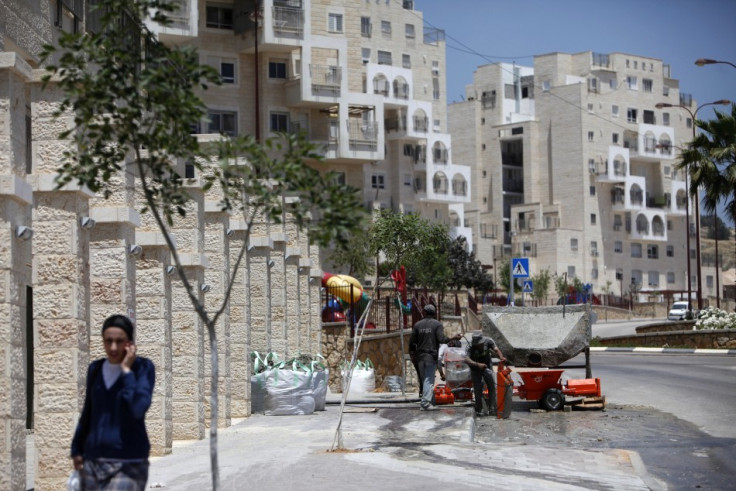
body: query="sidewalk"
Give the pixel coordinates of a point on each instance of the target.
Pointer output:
(387, 445)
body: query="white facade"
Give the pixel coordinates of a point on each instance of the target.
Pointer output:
(574, 167)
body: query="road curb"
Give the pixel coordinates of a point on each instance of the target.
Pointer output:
(681, 351)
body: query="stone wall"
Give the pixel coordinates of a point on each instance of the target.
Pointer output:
(384, 351)
(715, 339)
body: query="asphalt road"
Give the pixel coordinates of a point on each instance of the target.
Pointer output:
(676, 410)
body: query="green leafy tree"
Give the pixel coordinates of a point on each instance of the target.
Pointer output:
(541, 282)
(134, 101)
(354, 255)
(504, 277)
(466, 269)
(716, 228)
(430, 262)
(411, 241)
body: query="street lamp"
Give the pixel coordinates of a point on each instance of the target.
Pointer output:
(701, 62)
(708, 61)
(692, 113)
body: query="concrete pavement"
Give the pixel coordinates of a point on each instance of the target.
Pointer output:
(389, 444)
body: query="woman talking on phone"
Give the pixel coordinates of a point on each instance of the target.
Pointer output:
(110, 447)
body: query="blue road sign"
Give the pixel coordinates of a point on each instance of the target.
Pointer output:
(528, 286)
(520, 267)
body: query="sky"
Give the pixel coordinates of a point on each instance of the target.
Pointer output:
(678, 32)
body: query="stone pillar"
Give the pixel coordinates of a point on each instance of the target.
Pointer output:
(187, 330)
(292, 255)
(112, 268)
(153, 333)
(61, 296)
(240, 365)
(315, 315)
(260, 246)
(16, 198)
(276, 288)
(217, 277)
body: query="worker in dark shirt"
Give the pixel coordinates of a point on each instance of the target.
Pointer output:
(426, 338)
(110, 447)
(481, 370)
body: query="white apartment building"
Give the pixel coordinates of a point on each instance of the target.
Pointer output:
(574, 168)
(364, 79)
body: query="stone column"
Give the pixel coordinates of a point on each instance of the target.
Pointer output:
(217, 277)
(153, 333)
(16, 198)
(314, 336)
(240, 365)
(112, 262)
(277, 290)
(61, 296)
(292, 254)
(188, 331)
(260, 246)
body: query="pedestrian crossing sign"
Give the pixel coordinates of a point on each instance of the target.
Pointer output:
(528, 286)
(520, 267)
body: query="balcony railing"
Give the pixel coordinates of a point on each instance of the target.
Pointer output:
(440, 156)
(401, 91)
(326, 78)
(637, 197)
(381, 87)
(288, 18)
(460, 188)
(440, 186)
(362, 132)
(421, 125)
(395, 124)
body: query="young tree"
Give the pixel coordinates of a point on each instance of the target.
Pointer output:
(465, 268)
(504, 277)
(134, 102)
(541, 282)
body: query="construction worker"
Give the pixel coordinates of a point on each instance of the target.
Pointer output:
(426, 337)
(481, 370)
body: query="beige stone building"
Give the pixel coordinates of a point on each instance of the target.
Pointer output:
(363, 79)
(574, 168)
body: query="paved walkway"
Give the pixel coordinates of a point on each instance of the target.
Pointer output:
(387, 445)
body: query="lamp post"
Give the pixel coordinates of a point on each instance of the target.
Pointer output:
(697, 201)
(702, 62)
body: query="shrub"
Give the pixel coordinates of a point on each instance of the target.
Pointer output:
(713, 318)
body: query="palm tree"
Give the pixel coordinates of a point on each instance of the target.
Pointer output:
(711, 161)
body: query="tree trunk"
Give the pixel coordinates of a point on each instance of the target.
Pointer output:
(213, 407)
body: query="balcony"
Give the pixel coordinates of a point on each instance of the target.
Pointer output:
(326, 80)
(401, 91)
(288, 18)
(440, 155)
(363, 135)
(421, 125)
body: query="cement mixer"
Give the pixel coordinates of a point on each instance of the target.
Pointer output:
(537, 341)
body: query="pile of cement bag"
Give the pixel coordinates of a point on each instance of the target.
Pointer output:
(362, 377)
(292, 387)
